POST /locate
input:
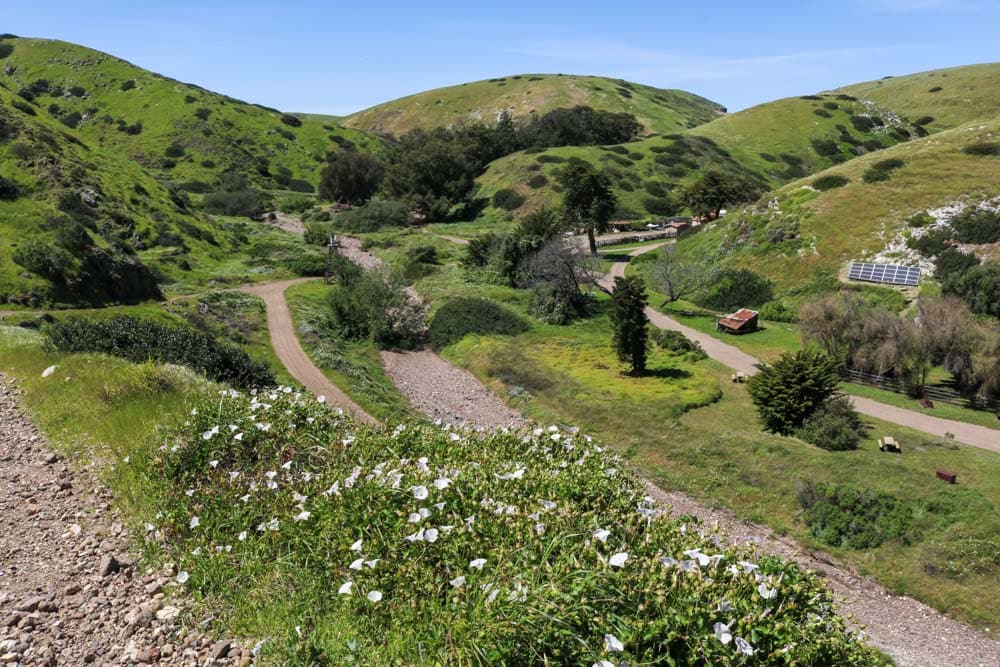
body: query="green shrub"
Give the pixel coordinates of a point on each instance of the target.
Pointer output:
(787, 392)
(736, 288)
(174, 150)
(290, 120)
(921, 219)
(679, 344)
(831, 106)
(538, 181)
(865, 123)
(460, 317)
(983, 148)
(141, 340)
(507, 199)
(873, 175)
(77, 91)
(243, 202)
(952, 263)
(128, 84)
(977, 226)
(825, 147)
(835, 426)
(375, 215)
(294, 203)
(935, 89)
(6, 50)
(550, 159)
(24, 106)
(202, 113)
(842, 516)
(872, 145)
(830, 181)
(422, 254)
(374, 305)
(300, 185)
(197, 187)
(923, 120)
(9, 190)
(778, 311)
(822, 113)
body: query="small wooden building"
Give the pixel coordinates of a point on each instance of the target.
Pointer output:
(743, 321)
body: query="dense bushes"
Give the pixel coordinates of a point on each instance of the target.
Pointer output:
(9, 190)
(982, 148)
(882, 170)
(126, 85)
(374, 305)
(538, 181)
(235, 197)
(374, 215)
(290, 120)
(977, 226)
(845, 517)
(143, 340)
(729, 289)
(508, 199)
(830, 181)
(834, 426)
(350, 177)
(678, 343)
(462, 316)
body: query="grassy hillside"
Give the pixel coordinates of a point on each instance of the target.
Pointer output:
(793, 137)
(948, 97)
(60, 187)
(805, 235)
(643, 173)
(771, 144)
(658, 109)
(178, 131)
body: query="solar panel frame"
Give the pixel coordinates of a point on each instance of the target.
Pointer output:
(886, 274)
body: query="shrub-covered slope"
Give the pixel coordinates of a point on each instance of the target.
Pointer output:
(938, 99)
(178, 131)
(74, 216)
(658, 109)
(805, 234)
(797, 136)
(646, 175)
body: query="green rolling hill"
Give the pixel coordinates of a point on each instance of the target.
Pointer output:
(175, 130)
(805, 235)
(938, 99)
(659, 110)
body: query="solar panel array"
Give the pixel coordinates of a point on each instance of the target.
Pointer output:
(892, 274)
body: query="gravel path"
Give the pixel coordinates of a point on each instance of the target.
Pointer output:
(70, 593)
(733, 357)
(442, 391)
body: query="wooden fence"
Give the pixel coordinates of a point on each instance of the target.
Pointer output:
(934, 393)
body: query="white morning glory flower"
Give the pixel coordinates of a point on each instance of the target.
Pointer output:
(49, 371)
(183, 576)
(442, 483)
(603, 663)
(618, 560)
(374, 596)
(601, 535)
(765, 592)
(612, 643)
(357, 564)
(357, 546)
(743, 646)
(345, 588)
(458, 581)
(722, 632)
(302, 516)
(477, 563)
(420, 492)
(195, 522)
(242, 536)
(431, 535)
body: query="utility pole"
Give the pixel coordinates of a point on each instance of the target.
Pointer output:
(330, 247)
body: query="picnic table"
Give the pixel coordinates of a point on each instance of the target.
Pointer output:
(889, 444)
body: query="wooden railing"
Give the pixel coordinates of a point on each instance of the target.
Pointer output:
(934, 393)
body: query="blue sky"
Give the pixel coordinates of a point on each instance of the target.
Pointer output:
(336, 57)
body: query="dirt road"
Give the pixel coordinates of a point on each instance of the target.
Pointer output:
(286, 345)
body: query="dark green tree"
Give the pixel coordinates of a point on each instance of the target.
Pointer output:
(628, 306)
(715, 190)
(351, 178)
(588, 200)
(791, 389)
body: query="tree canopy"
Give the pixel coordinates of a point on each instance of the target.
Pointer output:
(628, 304)
(588, 200)
(791, 389)
(351, 177)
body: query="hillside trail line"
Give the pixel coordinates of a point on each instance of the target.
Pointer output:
(733, 357)
(287, 347)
